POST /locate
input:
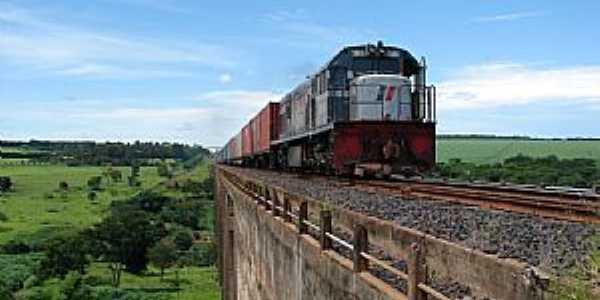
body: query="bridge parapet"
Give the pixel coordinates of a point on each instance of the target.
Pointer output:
(278, 252)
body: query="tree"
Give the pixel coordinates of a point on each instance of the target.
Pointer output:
(183, 238)
(73, 288)
(163, 255)
(94, 183)
(132, 181)
(115, 175)
(135, 170)
(163, 170)
(5, 292)
(3, 217)
(201, 255)
(5, 184)
(64, 254)
(63, 186)
(92, 196)
(123, 239)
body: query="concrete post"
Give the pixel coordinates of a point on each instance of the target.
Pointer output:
(287, 209)
(265, 195)
(361, 244)
(416, 273)
(302, 217)
(325, 229)
(276, 203)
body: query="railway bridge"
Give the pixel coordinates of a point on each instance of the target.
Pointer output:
(280, 244)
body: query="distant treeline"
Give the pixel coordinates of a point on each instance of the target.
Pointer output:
(513, 137)
(521, 169)
(92, 153)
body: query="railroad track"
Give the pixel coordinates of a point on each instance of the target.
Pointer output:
(576, 207)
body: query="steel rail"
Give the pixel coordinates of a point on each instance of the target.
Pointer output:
(548, 206)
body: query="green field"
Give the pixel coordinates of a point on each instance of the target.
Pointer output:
(195, 282)
(37, 210)
(37, 206)
(482, 150)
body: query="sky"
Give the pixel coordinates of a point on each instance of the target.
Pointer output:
(196, 71)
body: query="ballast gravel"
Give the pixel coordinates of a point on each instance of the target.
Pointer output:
(552, 245)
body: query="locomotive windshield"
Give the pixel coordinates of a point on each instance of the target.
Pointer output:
(380, 97)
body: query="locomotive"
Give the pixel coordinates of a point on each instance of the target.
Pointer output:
(366, 111)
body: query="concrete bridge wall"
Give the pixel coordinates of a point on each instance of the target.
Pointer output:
(263, 257)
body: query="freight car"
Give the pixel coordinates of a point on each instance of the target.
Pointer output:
(368, 110)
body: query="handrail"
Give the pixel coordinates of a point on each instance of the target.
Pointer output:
(421, 286)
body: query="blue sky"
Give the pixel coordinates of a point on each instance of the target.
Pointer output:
(195, 71)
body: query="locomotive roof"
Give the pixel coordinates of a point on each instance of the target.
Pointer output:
(410, 63)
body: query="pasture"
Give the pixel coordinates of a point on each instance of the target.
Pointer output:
(188, 283)
(490, 150)
(37, 206)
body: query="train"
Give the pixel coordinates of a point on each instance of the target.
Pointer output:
(367, 111)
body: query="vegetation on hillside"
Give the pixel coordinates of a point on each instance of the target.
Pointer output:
(107, 232)
(521, 169)
(147, 231)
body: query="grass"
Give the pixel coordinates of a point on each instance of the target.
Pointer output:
(195, 282)
(496, 150)
(36, 205)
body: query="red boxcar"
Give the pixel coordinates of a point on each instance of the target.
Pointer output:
(266, 129)
(247, 143)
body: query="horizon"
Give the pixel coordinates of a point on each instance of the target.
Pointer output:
(439, 135)
(194, 73)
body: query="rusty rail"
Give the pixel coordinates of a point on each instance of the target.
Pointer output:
(415, 278)
(548, 205)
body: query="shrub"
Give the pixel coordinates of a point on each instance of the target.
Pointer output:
(63, 186)
(94, 183)
(3, 217)
(201, 255)
(182, 237)
(16, 247)
(5, 184)
(92, 196)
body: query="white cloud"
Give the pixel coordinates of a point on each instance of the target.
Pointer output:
(211, 119)
(28, 39)
(509, 17)
(492, 85)
(107, 71)
(225, 78)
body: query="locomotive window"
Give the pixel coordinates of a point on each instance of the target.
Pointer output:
(380, 92)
